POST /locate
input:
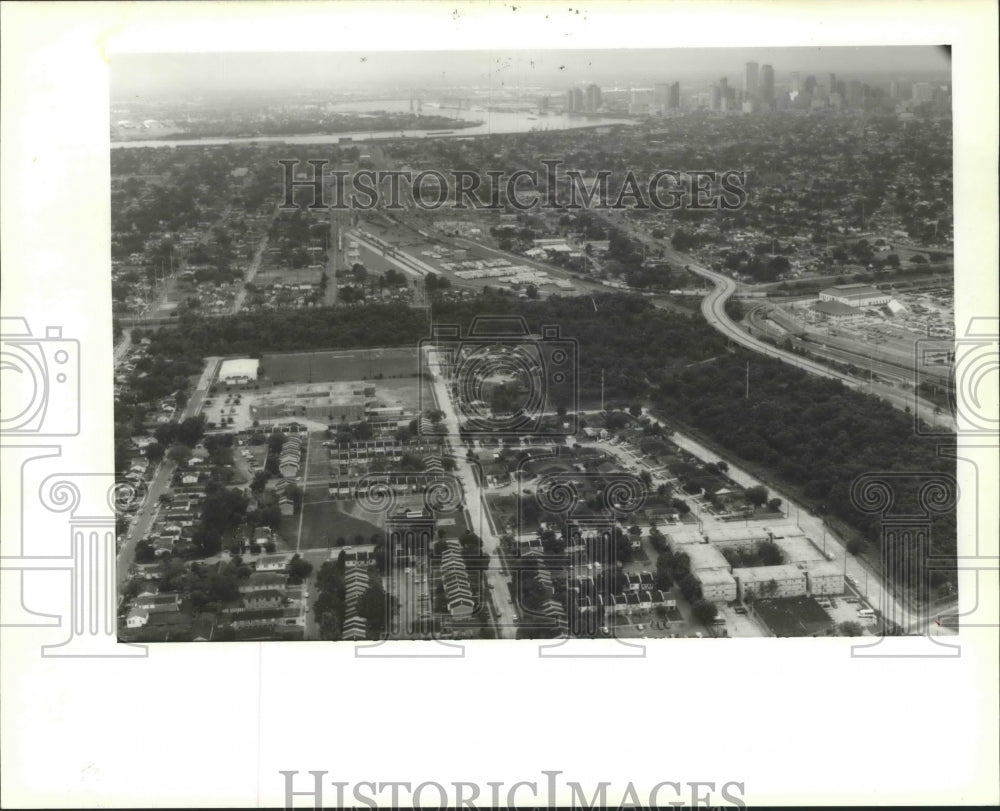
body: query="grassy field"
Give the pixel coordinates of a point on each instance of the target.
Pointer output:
(323, 522)
(351, 364)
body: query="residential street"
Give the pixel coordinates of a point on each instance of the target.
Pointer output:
(160, 482)
(497, 580)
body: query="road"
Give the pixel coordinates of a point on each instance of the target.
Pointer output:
(160, 482)
(332, 257)
(474, 503)
(713, 307)
(254, 266)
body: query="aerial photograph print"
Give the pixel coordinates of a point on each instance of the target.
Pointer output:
(638, 344)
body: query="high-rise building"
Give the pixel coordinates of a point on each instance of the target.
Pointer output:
(796, 82)
(592, 100)
(674, 97)
(751, 76)
(767, 85)
(574, 100)
(716, 103)
(667, 96)
(831, 86)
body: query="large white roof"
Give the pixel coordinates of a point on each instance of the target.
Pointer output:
(239, 367)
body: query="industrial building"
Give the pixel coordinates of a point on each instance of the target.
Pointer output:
(836, 311)
(313, 402)
(855, 295)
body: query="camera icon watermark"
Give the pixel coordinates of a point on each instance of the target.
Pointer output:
(962, 377)
(41, 381)
(500, 380)
(569, 546)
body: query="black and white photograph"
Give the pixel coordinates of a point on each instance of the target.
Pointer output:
(511, 345)
(436, 364)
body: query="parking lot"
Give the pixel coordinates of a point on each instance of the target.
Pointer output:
(741, 625)
(843, 611)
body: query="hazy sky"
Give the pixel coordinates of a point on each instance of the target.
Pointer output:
(146, 75)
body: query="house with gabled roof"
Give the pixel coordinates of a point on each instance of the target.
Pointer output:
(137, 618)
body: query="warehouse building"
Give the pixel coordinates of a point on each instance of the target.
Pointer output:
(239, 371)
(855, 295)
(836, 311)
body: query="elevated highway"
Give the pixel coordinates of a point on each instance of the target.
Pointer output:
(713, 307)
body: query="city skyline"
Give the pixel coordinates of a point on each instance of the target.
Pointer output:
(162, 74)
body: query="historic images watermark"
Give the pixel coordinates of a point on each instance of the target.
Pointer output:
(547, 790)
(549, 187)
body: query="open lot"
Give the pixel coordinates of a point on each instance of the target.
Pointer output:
(342, 365)
(325, 520)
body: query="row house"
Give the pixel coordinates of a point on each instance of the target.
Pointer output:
(263, 581)
(266, 618)
(272, 563)
(455, 581)
(157, 602)
(355, 627)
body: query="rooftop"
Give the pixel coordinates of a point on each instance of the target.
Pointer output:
(705, 556)
(711, 577)
(239, 367)
(763, 574)
(834, 308)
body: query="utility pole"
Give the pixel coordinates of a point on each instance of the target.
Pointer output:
(602, 390)
(747, 396)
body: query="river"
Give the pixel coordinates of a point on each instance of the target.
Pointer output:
(493, 123)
